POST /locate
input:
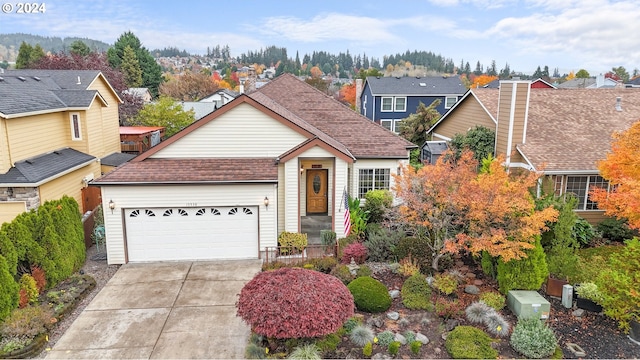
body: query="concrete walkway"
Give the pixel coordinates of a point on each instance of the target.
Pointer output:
(164, 310)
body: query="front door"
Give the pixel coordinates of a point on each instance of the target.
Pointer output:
(317, 191)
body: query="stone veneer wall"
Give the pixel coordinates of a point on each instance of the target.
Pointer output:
(30, 195)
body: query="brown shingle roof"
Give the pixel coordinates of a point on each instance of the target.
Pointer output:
(362, 137)
(489, 98)
(173, 171)
(570, 130)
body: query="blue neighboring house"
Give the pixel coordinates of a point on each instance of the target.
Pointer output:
(387, 100)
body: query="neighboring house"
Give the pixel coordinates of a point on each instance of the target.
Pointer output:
(209, 103)
(563, 133)
(55, 126)
(635, 82)
(538, 83)
(597, 82)
(388, 100)
(142, 93)
(138, 139)
(226, 186)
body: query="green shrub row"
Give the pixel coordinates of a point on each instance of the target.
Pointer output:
(50, 238)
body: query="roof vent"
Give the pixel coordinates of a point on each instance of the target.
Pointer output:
(22, 78)
(618, 103)
(36, 78)
(397, 77)
(29, 162)
(79, 82)
(417, 77)
(1, 78)
(423, 84)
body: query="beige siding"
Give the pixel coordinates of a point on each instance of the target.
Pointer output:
(291, 195)
(9, 210)
(35, 135)
(127, 197)
(466, 116)
(105, 119)
(5, 164)
(593, 217)
(69, 184)
(511, 119)
(242, 132)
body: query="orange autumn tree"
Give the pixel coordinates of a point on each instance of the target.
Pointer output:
(348, 95)
(622, 169)
(459, 209)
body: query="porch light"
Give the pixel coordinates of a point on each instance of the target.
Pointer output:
(266, 202)
(112, 205)
(301, 169)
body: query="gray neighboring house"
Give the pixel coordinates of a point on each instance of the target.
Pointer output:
(388, 100)
(598, 82)
(209, 103)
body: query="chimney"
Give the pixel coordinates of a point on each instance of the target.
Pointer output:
(618, 103)
(358, 94)
(79, 83)
(513, 109)
(251, 80)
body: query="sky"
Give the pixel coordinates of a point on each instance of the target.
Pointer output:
(595, 35)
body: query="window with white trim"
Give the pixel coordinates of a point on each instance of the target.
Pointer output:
(372, 179)
(391, 124)
(76, 130)
(449, 101)
(387, 104)
(393, 104)
(580, 187)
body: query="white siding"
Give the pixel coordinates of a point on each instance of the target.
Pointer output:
(240, 133)
(281, 192)
(291, 194)
(316, 156)
(341, 184)
(127, 197)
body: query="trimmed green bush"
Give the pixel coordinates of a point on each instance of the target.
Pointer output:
(415, 347)
(8, 290)
(418, 248)
(394, 348)
(468, 342)
(524, 274)
(416, 293)
(616, 229)
(488, 265)
(370, 295)
(533, 339)
(342, 272)
(8, 250)
(367, 349)
(445, 283)
(377, 203)
(493, 299)
(292, 242)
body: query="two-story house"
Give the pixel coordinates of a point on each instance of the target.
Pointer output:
(55, 127)
(388, 100)
(562, 133)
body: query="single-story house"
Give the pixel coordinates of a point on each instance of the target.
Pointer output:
(227, 185)
(563, 133)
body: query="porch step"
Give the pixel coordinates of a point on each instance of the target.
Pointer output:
(311, 225)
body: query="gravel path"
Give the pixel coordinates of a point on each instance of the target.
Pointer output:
(101, 272)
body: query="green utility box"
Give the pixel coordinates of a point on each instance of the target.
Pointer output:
(525, 303)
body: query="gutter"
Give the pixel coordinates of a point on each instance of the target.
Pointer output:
(56, 176)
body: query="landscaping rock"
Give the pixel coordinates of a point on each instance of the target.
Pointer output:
(401, 339)
(471, 275)
(578, 313)
(464, 269)
(437, 351)
(394, 294)
(381, 356)
(451, 324)
(477, 282)
(376, 321)
(472, 289)
(430, 280)
(393, 315)
(576, 350)
(422, 338)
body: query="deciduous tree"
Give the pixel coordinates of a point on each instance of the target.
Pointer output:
(190, 86)
(348, 95)
(582, 74)
(622, 169)
(482, 80)
(460, 209)
(165, 112)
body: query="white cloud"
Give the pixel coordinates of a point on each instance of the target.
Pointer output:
(482, 4)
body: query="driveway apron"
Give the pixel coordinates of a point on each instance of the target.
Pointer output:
(163, 310)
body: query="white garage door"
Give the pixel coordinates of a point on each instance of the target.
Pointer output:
(204, 233)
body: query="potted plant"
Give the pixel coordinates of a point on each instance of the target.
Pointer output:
(588, 297)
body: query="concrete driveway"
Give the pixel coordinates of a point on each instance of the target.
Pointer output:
(163, 310)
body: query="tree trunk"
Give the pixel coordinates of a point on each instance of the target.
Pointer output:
(436, 259)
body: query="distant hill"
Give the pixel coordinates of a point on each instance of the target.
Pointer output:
(10, 43)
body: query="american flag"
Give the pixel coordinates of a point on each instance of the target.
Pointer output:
(347, 214)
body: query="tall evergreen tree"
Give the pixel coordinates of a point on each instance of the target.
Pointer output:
(151, 71)
(131, 68)
(78, 47)
(28, 55)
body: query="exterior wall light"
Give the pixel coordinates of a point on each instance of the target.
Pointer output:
(112, 205)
